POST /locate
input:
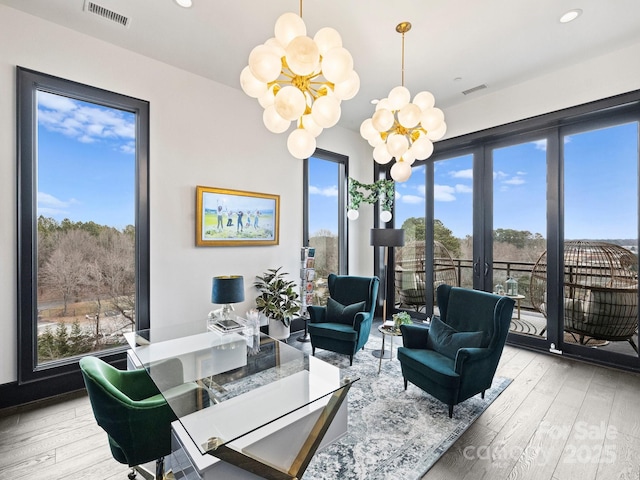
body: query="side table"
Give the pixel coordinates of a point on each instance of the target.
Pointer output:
(391, 332)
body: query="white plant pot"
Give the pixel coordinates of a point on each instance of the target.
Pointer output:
(277, 330)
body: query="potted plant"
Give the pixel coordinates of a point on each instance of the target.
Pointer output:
(401, 318)
(278, 301)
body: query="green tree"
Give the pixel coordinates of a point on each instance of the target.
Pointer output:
(46, 349)
(445, 236)
(61, 341)
(414, 230)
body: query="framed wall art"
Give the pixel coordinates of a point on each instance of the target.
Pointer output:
(236, 218)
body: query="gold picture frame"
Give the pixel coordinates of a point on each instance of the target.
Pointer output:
(227, 217)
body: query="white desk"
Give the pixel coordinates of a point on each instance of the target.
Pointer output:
(264, 407)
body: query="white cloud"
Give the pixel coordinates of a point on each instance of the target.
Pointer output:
(87, 124)
(466, 173)
(500, 174)
(422, 190)
(514, 181)
(331, 191)
(463, 188)
(443, 193)
(47, 200)
(412, 199)
(541, 144)
(48, 205)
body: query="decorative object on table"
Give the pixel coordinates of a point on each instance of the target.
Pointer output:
(386, 237)
(401, 318)
(302, 79)
(232, 217)
(307, 276)
(379, 409)
(600, 291)
(403, 130)
(382, 191)
(226, 290)
(278, 300)
(344, 325)
(512, 287)
(499, 289)
(253, 331)
(457, 356)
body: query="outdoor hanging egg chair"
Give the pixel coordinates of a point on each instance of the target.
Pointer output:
(600, 291)
(410, 272)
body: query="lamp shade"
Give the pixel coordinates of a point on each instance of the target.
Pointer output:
(387, 237)
(227, 289)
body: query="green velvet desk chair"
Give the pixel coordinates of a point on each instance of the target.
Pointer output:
(137, 419)
(457, 356)
(343, 326)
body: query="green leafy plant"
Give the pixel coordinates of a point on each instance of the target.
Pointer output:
(401, 318)
(381, 190)
(278, 297)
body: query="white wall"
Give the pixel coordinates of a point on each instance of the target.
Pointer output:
(192, 143)
(601, 77)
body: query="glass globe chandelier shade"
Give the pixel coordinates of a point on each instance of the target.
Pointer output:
(401, 171)
(403, 129)
(301, 144)
(298, 78)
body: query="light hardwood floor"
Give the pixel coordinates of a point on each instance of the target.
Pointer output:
(558, 420)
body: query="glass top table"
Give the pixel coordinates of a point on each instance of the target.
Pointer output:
(225, 386)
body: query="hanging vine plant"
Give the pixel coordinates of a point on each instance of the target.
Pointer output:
(382, 191)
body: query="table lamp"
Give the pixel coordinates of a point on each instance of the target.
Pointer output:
(226, 290)
(386, 237)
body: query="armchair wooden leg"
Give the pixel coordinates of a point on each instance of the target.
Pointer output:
(482, 395)
(351, 360)
(405, 383)
(313, 351)
(450, 411)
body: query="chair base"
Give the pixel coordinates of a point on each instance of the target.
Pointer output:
(148, 474)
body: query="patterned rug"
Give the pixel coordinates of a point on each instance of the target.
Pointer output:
(393, 433)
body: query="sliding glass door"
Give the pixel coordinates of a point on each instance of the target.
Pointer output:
(545, 210)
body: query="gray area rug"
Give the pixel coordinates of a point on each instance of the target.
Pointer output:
(393, 433)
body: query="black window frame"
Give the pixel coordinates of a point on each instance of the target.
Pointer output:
(551, 126)
(343, 175)
(64, 375)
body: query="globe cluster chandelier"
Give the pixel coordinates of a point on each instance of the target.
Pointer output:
(402, 129)
(302, 79)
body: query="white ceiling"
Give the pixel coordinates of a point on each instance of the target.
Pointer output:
(454, 45)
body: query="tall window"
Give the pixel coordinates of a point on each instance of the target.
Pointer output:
(83, 222)
(325, 224)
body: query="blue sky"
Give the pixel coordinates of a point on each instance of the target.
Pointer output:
(600, 187)
(86, 162)
(323, 196)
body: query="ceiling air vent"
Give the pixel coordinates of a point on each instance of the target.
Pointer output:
(474, 89)
(105, 13)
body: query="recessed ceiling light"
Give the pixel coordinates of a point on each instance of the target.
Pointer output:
(570, 15)
(184, 3)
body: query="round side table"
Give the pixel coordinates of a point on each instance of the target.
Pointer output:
(391, 332)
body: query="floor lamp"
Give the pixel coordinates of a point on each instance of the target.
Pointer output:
(386, 237)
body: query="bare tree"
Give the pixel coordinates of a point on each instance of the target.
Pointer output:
(64, 270)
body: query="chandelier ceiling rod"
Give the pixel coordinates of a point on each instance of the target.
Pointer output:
(403, 28)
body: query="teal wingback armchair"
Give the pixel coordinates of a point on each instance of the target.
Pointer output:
(129, 407)
(343, 326)
(457, 356)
